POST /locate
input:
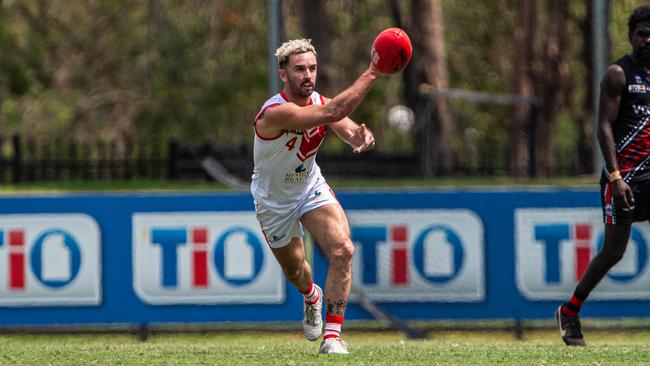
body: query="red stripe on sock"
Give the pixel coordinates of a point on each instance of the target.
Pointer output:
(568, 312)
(315, 300)
(309, 290)
(575, 301)
(332, 335)
(330, 318)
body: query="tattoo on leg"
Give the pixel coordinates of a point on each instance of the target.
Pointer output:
(337, 307)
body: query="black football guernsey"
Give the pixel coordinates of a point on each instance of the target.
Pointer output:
(632, 126)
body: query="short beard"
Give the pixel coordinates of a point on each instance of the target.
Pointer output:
(298, 91)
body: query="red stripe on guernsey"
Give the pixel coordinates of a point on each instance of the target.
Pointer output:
(634, 155)
(310, 142)
(608, 201)
(322, 100)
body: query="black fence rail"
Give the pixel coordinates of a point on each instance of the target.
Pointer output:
(26, 160)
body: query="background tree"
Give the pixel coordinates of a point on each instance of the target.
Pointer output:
(428, 67)
(143, 72)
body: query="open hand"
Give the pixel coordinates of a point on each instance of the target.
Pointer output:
(363, 140)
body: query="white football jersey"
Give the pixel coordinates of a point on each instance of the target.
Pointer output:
(285, 166)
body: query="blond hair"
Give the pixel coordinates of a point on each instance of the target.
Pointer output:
(293, 47)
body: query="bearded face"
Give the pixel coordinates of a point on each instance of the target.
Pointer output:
(300, 74)
(640, 40)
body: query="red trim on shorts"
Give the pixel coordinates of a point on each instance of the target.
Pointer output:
(261, 228)
(334, 195)
(608, 200)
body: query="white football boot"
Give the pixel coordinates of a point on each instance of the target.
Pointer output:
(312, 322)
(333, 346)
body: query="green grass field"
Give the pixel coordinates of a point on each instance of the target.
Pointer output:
(140, 185)
(290, 348)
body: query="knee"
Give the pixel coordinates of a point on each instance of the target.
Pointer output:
(611, 257)
(616, 256)
(343, 252)
(294, 272)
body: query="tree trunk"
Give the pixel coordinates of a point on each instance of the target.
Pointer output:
(550, 80)
(520, 128)
(430, 68)
(318, 27)
(582, 113)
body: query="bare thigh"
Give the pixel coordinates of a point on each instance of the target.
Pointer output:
(329, 227)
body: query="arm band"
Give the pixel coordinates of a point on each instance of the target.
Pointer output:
(615, 175)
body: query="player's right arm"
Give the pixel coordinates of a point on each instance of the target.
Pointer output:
(290, 116)
(611, 89)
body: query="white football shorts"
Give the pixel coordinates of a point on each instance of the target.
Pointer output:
(281, 222)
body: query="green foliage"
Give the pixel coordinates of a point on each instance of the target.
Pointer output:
(195, 70)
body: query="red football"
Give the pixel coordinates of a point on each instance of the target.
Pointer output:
(391, 51)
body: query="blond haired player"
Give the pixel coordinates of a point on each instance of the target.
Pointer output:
(290, 192)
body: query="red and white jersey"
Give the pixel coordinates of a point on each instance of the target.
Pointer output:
(285, 165)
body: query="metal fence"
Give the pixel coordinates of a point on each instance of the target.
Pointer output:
(28, 160)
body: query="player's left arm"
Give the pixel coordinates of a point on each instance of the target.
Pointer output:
(358, 136)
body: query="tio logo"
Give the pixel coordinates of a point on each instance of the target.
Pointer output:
(437, 251)
(554, 247)
(553, 235)
(49, 260)
(54, 258)
(418, 255)
(203, 258)
(234, 246)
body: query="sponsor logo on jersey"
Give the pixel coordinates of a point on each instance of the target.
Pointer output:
(638, 79)
(296, 177)
(275, 238)
(637, 89)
